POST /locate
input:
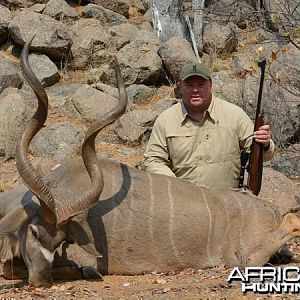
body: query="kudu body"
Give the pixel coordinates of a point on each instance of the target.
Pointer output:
(141, 222)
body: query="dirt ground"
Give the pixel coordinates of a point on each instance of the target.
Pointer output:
(188, 284)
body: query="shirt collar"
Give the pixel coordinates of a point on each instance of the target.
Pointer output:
(211, 111)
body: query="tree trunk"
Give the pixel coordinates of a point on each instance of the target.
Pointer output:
(198, 7)
(168, 20)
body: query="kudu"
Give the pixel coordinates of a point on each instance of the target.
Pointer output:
(139, 222)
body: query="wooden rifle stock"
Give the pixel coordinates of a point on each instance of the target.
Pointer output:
(255, 166)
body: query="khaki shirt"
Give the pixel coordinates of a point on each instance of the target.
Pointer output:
(206, 153)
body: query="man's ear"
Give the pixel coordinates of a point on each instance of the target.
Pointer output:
(77, 233)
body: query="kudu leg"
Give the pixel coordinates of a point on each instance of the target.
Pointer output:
(289, 227)
(14, 269)
(71, 273)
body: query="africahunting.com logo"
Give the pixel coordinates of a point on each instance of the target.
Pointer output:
(265, 280)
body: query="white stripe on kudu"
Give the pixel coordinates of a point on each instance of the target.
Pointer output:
(49, 256)
(210, 227)
(171, 222)
(242, 215)
(151, 207)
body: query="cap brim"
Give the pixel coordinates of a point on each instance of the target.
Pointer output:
(194, 74)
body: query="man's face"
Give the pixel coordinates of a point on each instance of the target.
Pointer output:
(196, 93)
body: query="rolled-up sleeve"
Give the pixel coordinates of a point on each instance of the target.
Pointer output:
(157, 154)
(268, 154)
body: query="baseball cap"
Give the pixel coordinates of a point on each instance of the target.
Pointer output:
(194, 69)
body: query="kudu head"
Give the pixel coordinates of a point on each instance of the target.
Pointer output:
(42, 228)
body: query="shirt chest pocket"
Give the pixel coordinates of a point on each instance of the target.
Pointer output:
(222, 144)
(182, 147)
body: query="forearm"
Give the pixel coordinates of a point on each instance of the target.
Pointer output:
(157, 154)
(268, 153)
(157, 165)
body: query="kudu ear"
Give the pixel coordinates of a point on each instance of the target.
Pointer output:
(77, 233)
(13, 220)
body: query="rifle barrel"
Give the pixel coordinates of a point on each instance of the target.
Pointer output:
(255, 166)
(262, 65)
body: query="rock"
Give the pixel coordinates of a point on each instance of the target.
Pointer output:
(228, 87)
(60, 98)
(44, 69)
(288, 164)
(38, 7)
(219, 39)
(279, 106)
(122, 34)
(60, 10)
(60, 141)
(106, 89)
(286, 68)
(139, 61)
(132, 126)
(139, 93)
(89, 37)
(119, 6)
(162, 105)
(105, 16)
(9, 74)
(91, 103)
(51, 36)
(280, 190)
(5, 17)
(14, 114)
(175, 53)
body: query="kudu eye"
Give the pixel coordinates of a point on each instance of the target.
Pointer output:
(34, 230)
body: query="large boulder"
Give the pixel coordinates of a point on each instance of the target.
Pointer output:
(105, 16)
(219, 39)
(119, 6)
(51, 36)
(89, 39)
(44, 69)
(91, 103)
(60, 10)
(14, 114)
(9, 74)
(5, 17)
(59, 141)
(139, 60)
(175, 53)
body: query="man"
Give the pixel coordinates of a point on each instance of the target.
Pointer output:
(201, 137)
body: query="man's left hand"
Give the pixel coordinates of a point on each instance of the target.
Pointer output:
(263, 136)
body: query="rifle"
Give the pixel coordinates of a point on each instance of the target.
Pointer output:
(255, 164)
